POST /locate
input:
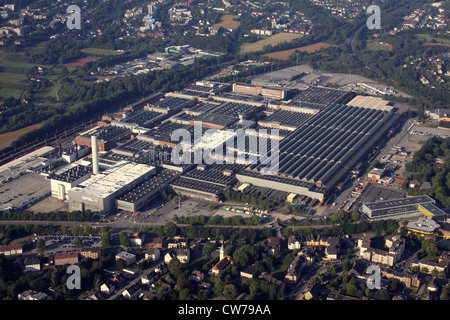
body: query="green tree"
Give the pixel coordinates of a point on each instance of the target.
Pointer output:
(230, 291)
(124, 240)
(78, 243)
(40, 245)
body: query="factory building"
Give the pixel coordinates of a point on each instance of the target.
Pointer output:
(323, 149)
(99, 192)
(70, 177)
(107, 137)
(146, 191)
(251, 89)
(405, 206)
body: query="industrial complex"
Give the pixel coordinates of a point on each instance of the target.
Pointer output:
(311, 140)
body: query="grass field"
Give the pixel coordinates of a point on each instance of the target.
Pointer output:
(7, 138)
(379, 46)
(228, 22)
(429, 38)
(10, 92)
(284, 54)
(102, 52)
(272, 40)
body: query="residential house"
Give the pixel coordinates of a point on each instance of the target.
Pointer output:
(184, 255)
(137, 239)
(430, 266)
(107, 288)
(132, 291)
(11, 249)
(294, 243)
(281, 285)
(169, 256)
(396, 247)
(32, 295)
(66, 258)
(152, 254)
(197, 276)
(92, 253)
(272, 244)
(158, 242)
(129, 258)
(32, 264)
(410, 280)
(149, 278)
(333, 295)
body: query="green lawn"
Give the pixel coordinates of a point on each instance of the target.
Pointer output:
(378, 47)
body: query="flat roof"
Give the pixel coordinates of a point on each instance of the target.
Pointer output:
(385, 204)
(113, 179)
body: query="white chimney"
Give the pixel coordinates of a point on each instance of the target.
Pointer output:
(94, 147)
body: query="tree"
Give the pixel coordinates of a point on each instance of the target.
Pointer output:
(230, 291)
(78, 243)
(124, 240)
(184, 294)
(106, 238)
(170, 229)
(40, 245)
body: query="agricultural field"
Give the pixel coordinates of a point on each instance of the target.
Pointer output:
(228, 22)
(272, 40)
(284, 54)
(80, 62)
(7, 138)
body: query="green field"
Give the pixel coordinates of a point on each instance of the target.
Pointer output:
(272, 40)
(375, 47)
(103, 52)
(430, 38)
(9, 92)
(12, 77)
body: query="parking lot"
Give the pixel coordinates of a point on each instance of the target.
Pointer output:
(55, 244)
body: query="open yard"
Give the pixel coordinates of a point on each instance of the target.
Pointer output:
(284, 55)
(272, 40)
(228, 22)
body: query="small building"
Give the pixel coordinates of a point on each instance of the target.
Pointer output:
(11, 249)
(132, 291)
(91, 253)
(129, 258)
(249, 272)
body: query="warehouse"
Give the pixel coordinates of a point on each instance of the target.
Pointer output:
(404, 206)
(99, 192)
(146, 191)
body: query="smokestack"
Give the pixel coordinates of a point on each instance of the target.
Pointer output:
(94, 147)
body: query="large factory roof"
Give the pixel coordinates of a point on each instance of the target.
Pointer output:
(386, 204)
(113, 179)
(73, 174)
(326, 145)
